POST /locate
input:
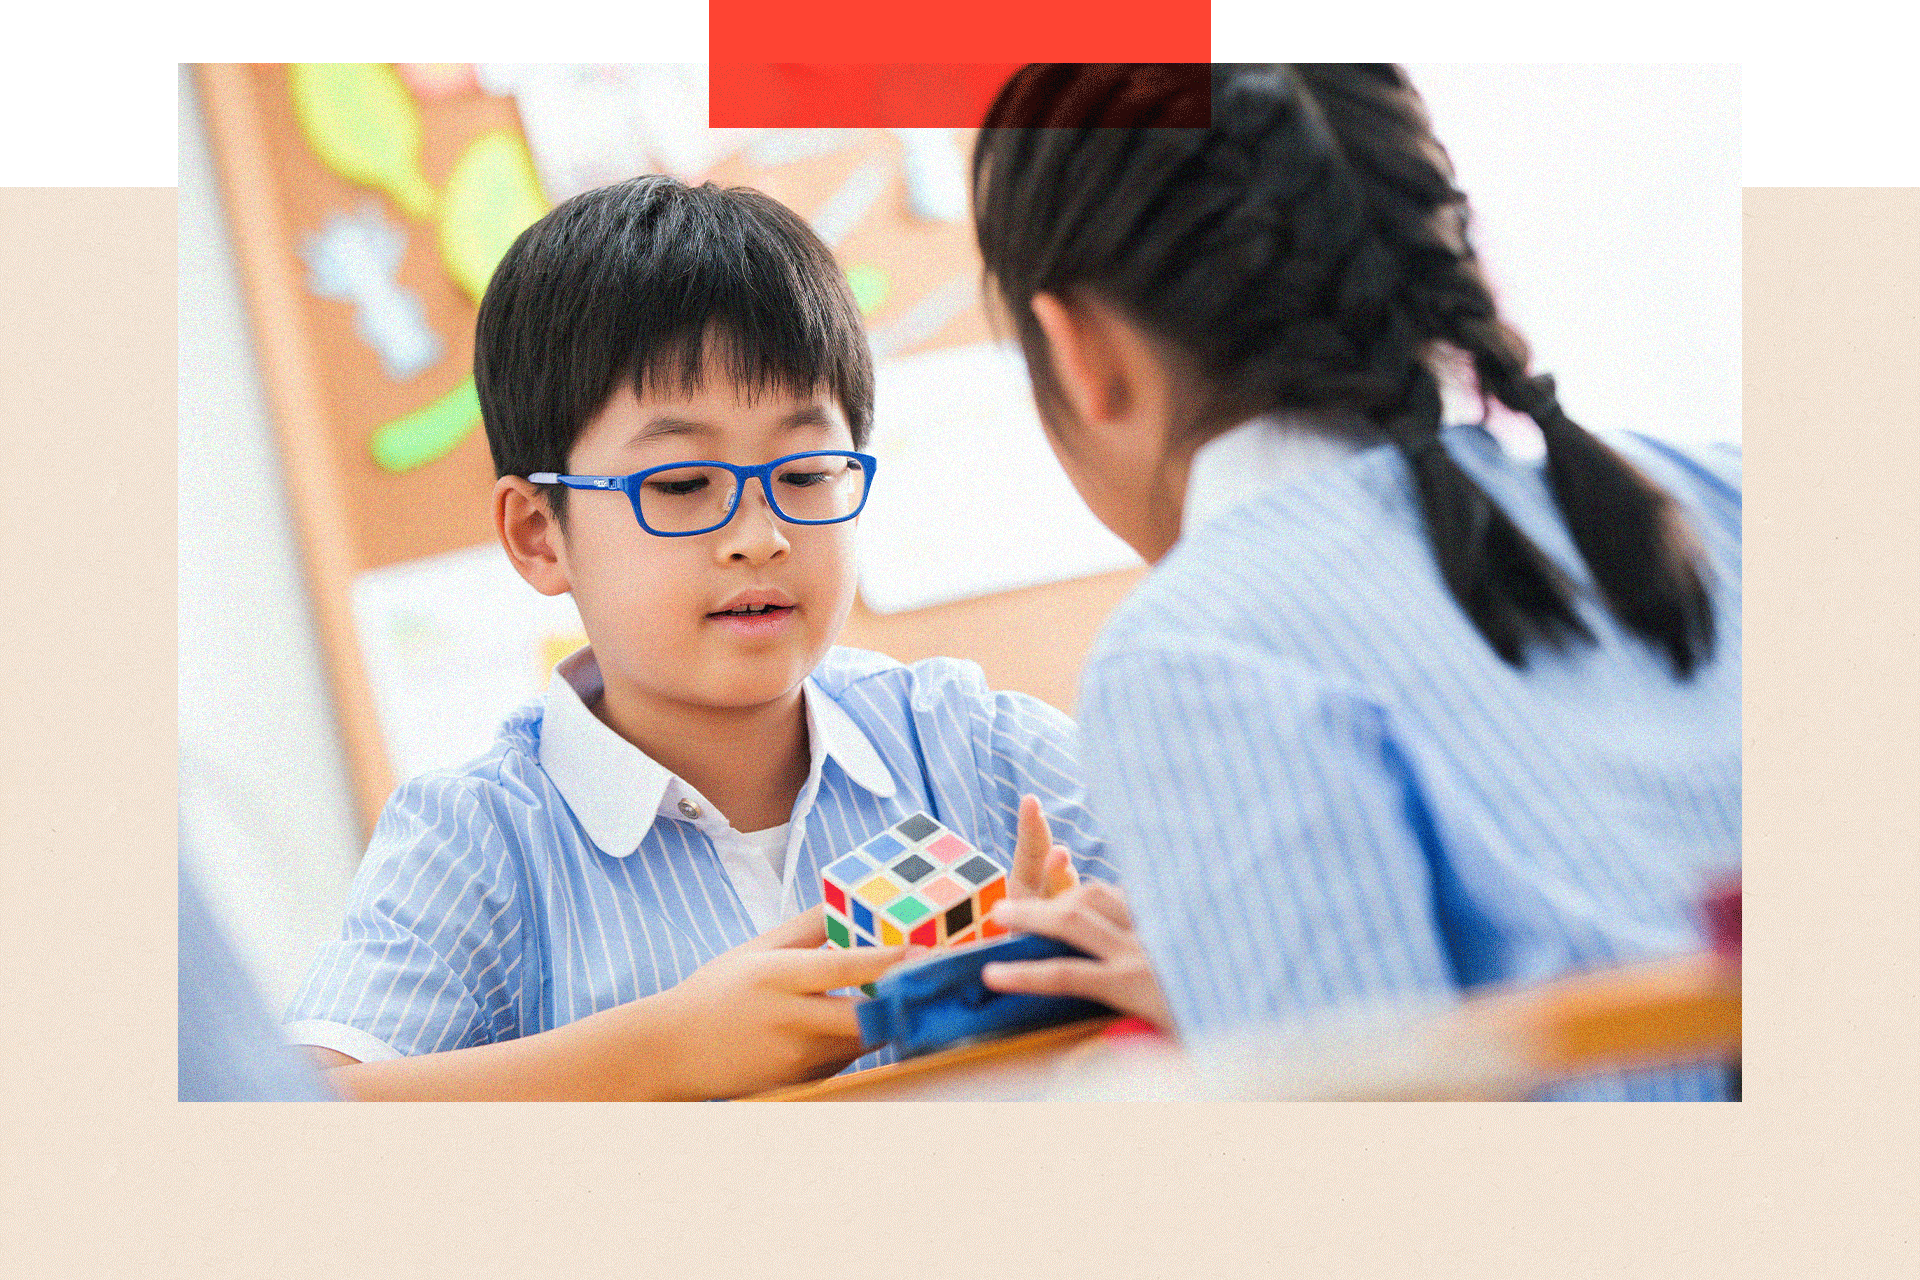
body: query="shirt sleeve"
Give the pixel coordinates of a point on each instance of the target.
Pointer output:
(430, 956)
(1268, 831)
(1029, 747)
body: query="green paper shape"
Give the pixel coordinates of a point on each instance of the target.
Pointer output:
(362, 123)
(870, 286)
(426, 434)
(491, 196)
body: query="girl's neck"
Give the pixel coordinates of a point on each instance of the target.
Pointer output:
(749, 762)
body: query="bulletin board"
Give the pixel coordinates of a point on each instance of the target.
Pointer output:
(367, 205)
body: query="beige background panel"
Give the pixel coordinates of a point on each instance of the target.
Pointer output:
(101, 1174)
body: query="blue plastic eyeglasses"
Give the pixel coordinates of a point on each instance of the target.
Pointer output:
(683, 499)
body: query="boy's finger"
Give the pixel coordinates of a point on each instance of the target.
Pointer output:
(808, 929)
(831, 1018)
(814, 971)
(1030, 846)
(1061, 875)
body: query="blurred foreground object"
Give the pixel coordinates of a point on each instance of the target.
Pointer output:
(230, 1050)
(1507, 1045)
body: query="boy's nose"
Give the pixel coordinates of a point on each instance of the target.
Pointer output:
(755, 533)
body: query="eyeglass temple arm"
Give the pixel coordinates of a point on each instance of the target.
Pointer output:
(575, 482)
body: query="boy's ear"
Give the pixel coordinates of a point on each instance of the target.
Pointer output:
(531, 535)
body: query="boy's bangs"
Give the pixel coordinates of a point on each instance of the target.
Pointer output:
(756, 364)
(738, 287)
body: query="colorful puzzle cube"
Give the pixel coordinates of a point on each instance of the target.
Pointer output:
(915, 882)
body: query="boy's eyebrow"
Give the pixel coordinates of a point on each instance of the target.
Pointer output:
(667, 425)
(813, 415)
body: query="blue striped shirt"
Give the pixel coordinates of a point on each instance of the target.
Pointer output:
(559, 874)
(1323, 787)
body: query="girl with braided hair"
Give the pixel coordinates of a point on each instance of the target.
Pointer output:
(1396, 714)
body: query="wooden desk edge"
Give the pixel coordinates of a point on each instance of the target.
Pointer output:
(1031, 1044)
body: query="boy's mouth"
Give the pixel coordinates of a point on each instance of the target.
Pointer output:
(757, 612)
(752, 611)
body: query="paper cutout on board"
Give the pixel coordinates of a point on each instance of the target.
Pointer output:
(451, 644)
(936, 176)
(491, 196)
(364, 125)
(427, 434)
(554, 647)
(970, 500)
(355, 258)
(775, 147)
(434, 81)
(845, 209)
(590, 124)
(926, 318)
(870, 286)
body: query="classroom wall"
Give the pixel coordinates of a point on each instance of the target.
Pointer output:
(264, 801)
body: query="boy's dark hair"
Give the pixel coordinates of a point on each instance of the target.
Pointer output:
(640, 282)
(1308, 250)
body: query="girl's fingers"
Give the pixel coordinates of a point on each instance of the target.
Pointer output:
(1062, 977)
(1030, 846)
(1061, 875)
(1108, 901)
(1064, 918)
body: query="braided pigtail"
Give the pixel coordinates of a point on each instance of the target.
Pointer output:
(1512, 593)
(1630, 532)
(1307, 251)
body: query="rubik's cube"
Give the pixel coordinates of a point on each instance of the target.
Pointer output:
(915, 882)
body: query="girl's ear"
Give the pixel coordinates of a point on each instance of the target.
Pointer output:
(531, 535)
(1081, 351)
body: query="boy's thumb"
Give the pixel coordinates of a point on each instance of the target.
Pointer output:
(808, 929)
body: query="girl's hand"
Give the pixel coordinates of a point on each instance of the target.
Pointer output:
(1041, 868)
(1093, 917)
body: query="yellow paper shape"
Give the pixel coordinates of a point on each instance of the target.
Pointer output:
(870, 286)
(491, 196)
(555, 647)
(363, 124)
(429, 433)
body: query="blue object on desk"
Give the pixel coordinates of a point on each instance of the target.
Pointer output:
(941, 1003)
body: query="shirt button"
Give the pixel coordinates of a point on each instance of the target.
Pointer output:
(689, 809)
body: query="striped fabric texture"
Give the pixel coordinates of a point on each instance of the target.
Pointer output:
(484, 910)
(1322, 787)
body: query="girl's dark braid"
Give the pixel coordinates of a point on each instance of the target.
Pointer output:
(1629, 532)
(1309, 251)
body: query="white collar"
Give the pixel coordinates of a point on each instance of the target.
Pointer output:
(1245, 461)
(616, 790)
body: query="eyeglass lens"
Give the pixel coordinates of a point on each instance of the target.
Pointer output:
(810, 487)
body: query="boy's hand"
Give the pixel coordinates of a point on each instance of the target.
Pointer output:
(1093, 917)
(756, 1016)
(1041, 868)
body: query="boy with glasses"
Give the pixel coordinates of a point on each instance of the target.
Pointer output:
(620, 898)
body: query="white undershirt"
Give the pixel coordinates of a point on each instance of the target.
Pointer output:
(757, 862)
